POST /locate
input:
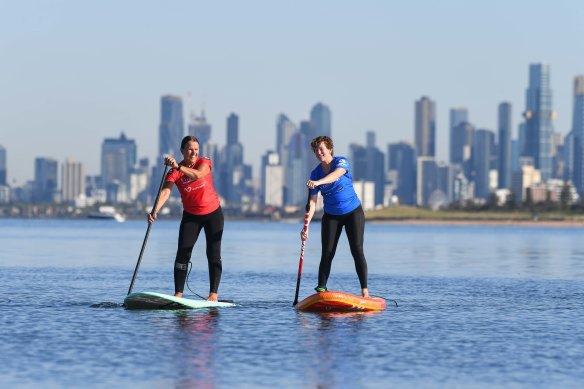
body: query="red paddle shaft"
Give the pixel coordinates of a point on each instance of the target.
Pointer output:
(301, 262)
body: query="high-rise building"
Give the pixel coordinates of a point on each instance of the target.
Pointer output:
(297, 170)
(72, 181)
(232, 129)
(3, 175)
(569, 158)
(578, 134)
(284, 130)
(461, 141)
(425, 127)
(481, 156)
(320, 121)
(272, 180)
(402, 160)
(200, 129)
(233, 173)
(526, 176)
(171, 128)
(538, 116)
(427, 176)
(457, 117)
(368, 164)
(504, 165)
(45, 180)
(118, 159)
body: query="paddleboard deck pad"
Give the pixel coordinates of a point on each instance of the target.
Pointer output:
(153, 300)
(331, 301)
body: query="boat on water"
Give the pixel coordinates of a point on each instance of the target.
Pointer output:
(107, 213)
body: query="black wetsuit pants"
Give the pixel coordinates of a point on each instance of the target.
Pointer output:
(332, 226)
(190, 228)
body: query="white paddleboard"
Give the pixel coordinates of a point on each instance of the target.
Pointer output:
(153, 300)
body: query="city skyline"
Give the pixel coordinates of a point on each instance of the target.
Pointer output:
(70, 82)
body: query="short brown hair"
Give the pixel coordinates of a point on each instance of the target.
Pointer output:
(187, 139)
(328, 142)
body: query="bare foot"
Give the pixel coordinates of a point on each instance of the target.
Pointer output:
(212, 297)
(178, 294)
(365, 292)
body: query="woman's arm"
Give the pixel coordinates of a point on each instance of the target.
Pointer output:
(164, 195)
(312, 205)
(328, 179)
(197, 173)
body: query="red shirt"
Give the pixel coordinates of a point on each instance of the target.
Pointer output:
(198, 196)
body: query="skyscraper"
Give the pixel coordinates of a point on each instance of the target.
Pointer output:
(538, 119)
(320, 121)
(3, 175)
(118, 159)
(200, 129)
(272, 180)
(171, 128)
(425, 127)
(578, 134)
(72, 181)
(297, 170)
(461, 141)
(45, 180)
(457, 117)
(233, 172)
(368, 164)
(232, 129)
(504, 165)
(402, 159)
(481, 156)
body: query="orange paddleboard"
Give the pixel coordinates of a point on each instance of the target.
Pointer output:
(331, 301)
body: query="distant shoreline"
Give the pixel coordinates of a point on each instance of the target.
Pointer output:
(478, 222)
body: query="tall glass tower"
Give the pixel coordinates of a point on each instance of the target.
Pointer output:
(481, 154)
(504, 164)
(45, 180)
(458, 116)
(578, 133)
(538, 119)
(320, 120)
(118, 159)
(2, 166)
(171, 128)
(425, 127)
(200, 129)
(402, 159)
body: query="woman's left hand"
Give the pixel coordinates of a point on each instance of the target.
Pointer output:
(303, 235)
(311, 184)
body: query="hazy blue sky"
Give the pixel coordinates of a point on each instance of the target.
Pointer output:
(75, 72)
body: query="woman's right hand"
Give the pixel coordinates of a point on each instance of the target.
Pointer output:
(170, 161)
(151, 217)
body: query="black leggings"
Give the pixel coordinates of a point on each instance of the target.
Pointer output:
(332, 225)
(190, 228)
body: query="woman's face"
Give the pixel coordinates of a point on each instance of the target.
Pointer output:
(322, 152)
(190, 152)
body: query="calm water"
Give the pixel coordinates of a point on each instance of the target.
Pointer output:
(478, 307)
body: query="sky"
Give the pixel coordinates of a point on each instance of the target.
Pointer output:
(73, 73)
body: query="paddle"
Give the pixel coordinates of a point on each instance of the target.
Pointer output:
(305, 230)
(147, 231)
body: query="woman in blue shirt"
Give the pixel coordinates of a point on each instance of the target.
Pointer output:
(342, 208)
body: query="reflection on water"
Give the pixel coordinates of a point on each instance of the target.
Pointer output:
(196, 337)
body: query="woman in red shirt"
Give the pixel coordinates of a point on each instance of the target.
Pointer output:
(201, 210)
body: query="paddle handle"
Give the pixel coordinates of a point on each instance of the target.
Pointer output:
(301, 261)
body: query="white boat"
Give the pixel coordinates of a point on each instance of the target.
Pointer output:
(107, 213)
